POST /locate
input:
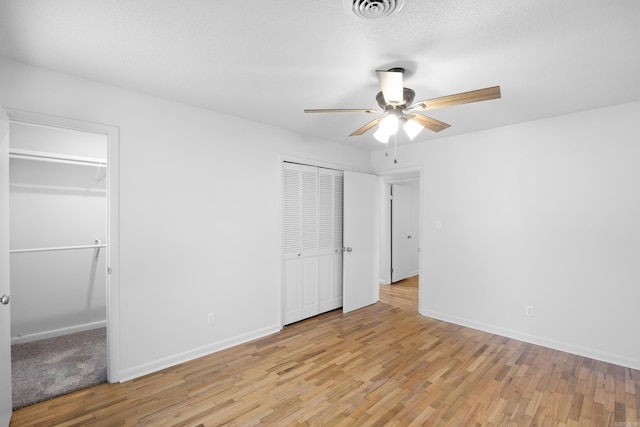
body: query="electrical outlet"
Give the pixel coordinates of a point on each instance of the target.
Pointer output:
(529, 311)
(211, 318)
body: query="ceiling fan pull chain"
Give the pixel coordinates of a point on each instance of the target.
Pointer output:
(395, 148)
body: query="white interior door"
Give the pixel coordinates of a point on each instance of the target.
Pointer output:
(5, 315)
(361, 240)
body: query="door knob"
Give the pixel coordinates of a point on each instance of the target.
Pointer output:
(4, 299)
(348, 249)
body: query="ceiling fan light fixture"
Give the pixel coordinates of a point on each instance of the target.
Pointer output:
(412, 128)
(389, 124)
(381, 136)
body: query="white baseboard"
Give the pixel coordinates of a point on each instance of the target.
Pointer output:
(167, 362)
(537, 340)
(386, 282)
(57, 332)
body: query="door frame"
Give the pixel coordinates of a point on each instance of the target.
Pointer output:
(392, 176)
(113, 226)
(6, 404)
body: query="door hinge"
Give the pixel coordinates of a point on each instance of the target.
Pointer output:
(108, 270)
(392, 271)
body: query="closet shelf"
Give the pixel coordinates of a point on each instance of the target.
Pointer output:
(57, 248)
(16, 153)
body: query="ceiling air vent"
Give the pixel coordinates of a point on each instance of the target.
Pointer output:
(373, 9)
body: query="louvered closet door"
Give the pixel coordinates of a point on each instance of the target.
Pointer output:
(300, 244)
(330, 239)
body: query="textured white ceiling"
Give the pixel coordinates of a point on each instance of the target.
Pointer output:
(267, 61)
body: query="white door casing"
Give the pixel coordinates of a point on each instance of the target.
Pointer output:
(5, 314)
(361, 240)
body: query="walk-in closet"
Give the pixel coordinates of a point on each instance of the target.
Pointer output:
(58, 270)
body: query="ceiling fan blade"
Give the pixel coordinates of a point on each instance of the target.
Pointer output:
(429, 122)
(391, 86)
(340, 110)
(366, 127)
(459, 98)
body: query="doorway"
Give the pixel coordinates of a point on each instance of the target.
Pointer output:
(404, 229)
(401, 238)
(63, 249)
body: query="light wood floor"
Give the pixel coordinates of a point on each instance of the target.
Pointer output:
(402, 294)
(381, 365)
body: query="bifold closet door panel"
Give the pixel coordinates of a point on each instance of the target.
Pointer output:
(330, 239)
(300, 242)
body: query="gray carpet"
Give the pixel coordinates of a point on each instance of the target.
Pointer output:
(44, 369)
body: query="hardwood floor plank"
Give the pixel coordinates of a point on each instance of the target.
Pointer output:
(381, 365)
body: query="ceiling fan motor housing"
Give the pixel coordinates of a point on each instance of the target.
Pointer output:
(408, 97)
(373, 9)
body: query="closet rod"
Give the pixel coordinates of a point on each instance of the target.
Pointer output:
(57, 248)
(16, 153)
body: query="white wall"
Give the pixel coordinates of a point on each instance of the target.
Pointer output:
(200, 204)
(542, 213)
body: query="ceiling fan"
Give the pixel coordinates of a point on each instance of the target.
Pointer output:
(396, 103)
